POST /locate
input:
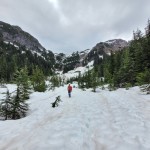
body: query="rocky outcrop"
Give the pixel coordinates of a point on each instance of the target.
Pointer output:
(105, 48)
(16, 35)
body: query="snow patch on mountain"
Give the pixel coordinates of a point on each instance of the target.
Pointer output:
(76, 71)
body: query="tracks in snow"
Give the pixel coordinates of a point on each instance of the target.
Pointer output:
(86, 121)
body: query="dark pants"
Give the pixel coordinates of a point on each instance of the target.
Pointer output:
(69, 93)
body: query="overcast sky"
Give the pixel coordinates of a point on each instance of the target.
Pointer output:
(71, 25)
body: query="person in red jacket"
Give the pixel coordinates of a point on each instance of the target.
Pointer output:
(69, 90)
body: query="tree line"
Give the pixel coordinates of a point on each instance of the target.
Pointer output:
(14, 105)
(127, 67)
(14, 58)
(130, 66)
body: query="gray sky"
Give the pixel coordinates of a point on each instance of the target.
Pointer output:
(71, 25)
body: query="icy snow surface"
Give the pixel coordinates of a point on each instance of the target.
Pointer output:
(117, 120)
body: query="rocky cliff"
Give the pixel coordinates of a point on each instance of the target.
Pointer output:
(17, 36)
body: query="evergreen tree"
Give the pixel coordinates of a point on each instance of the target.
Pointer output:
(5, 106)
(95, 80)
(117, 63)
(55, 82)
(112, 64)
(146, 53)
(123, 76)
(79, 79)
(139, 57)
(13, 107)
(23, 82)
(148, 29)
(143, 77)
(107, 75)
(88, 79)
(18, 108)
(38, 80)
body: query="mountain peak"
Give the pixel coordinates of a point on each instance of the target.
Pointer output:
(119, 42)
(16, 35)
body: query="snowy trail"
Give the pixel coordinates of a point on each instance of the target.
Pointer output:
(118, 120)
(129, 119)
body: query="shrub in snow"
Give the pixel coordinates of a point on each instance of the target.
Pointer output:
(102, 87)
(111, 87)
(145, 88)
(144, 80)
(2, 83)
(128, 85)
(143, 77)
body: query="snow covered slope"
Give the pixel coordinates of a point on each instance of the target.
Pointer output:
(76, 71)
(117, 120)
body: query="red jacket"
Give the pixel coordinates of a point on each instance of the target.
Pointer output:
(69, 88)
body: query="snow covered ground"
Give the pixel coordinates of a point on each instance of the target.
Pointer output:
(117, 120)
(75, 72)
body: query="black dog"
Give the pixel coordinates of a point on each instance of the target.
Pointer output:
(54, 104)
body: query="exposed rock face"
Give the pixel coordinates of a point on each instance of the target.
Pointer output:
(105, 48)
(110, 45)
(16, 35)
(114, 45)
